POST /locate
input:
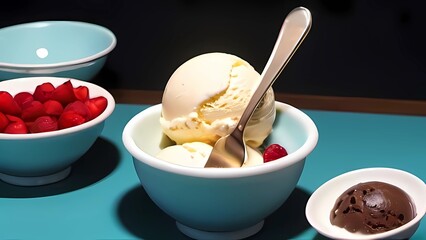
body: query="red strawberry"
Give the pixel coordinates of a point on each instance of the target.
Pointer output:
(80, 108)
(32, 110)
(23, 97)
(44, 124)
(81, 93)
(96, 105)
(64, 93)
(273, 152)
(53, 107)
(4, 121)
(43, 92)
(15, 126)
(70, 119)
(8, 105)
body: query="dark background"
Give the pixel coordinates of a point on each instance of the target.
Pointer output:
(355, 48)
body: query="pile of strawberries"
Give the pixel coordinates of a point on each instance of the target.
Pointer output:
(48, 108)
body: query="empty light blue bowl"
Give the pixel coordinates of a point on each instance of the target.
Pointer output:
(54, 48)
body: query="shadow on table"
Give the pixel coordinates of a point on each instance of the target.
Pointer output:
(145, 220)
(141, 217)
(289, 220)
(97, 163)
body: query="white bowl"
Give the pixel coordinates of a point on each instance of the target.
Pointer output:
(212, 203)
(42, 158)
(322, 201)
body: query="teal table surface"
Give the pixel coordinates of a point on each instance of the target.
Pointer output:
(102, 198)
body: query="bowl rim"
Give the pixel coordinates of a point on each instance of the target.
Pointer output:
(56, 81)
(90, 58)
(299, 155)
(351, 175)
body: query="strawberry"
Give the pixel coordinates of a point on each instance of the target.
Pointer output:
(96, 105)
(53, 107)
(70, 119)
(81, 93)
(273, 152)
(44, 124)
(64, 93)
(23, 97)
(49, 108)
(4, 121)
(43, 92)
(80, 108)
(32, 110)
(8, 105)
(15, 126)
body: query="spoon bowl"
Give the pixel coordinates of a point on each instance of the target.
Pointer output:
(231, 150)
(220, 203)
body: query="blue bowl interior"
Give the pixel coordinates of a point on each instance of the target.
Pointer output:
(52, 42)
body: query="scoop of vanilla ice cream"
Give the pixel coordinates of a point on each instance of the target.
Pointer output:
(205, 97)
(195, 154)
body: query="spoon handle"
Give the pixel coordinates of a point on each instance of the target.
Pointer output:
(293, 31)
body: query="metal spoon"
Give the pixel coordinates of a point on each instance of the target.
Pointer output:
(230, 150)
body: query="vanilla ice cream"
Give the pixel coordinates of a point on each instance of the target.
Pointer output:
(205, 97)
(195, 154)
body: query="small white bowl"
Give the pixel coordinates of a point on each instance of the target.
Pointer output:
(323, 199)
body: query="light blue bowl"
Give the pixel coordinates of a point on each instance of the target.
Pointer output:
(43, 158)
(54, 48)
(218, 203)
